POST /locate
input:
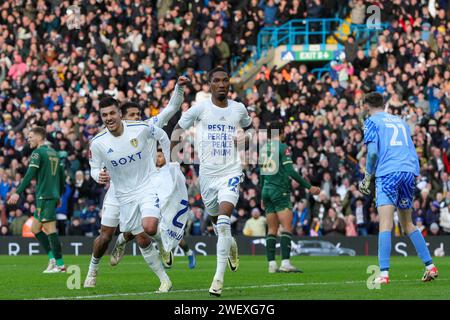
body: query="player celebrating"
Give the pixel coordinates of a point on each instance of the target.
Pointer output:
(217, 120)
(276, 188)
(124, 150)
(110, 211)
(49, 173)
(165, 185)
(393, 161)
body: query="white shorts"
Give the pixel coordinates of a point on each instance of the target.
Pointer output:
(110, 210)
(110, 215)
(145, 205)
(215, 190)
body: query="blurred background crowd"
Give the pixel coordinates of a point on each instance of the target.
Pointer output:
(135, 50)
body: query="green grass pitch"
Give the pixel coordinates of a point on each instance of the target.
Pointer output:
(323, 278)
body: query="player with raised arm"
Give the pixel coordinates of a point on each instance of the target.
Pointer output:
(132, 112)
(275, 180)
(393, 163)
(217, 121)
(122, 153)
(110, 210)
(50, 183)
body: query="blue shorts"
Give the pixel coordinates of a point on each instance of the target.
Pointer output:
(397, 189)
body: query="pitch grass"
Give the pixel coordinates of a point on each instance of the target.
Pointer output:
(323, 278)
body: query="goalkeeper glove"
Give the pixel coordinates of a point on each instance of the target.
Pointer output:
(365, 185)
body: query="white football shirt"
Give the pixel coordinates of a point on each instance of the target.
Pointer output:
(127, 158)
(215, 129)
(160, 121)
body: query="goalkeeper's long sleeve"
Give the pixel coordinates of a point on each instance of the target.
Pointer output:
(372, 156)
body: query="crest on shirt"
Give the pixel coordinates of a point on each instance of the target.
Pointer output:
(134, 142)
(287, 152)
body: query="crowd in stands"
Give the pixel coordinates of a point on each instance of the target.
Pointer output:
(135, 49)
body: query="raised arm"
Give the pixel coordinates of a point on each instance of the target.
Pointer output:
(340, 41)
(174, 104)
(160, 135)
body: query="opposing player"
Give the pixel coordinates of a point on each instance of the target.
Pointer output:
(50, 183)
(110, 210)
(392, 161)
(121, 153)
(216, 121)
(275, 180)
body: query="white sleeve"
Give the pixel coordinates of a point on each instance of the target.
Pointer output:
(160, 135)
(174, 105)
(189, 117)
(245, 121)
(95, 160)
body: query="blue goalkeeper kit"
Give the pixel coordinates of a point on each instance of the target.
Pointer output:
(397, 162)
(388, 138)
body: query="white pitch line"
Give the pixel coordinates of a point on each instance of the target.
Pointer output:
(226, 288)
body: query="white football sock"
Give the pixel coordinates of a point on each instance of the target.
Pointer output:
(384, 274)
(157, 238)
(429, 267)
(215, 229)
(151, 256)
(121, 239)
(223, 245)
(189, 252)
(94, 264)
(273, 263)
(285, 263)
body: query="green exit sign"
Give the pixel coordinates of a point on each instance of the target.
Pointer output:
(307, 55)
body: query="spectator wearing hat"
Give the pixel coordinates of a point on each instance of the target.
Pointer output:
(434, 230)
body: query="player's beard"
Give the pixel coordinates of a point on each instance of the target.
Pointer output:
(221, 96)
